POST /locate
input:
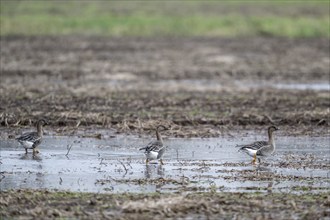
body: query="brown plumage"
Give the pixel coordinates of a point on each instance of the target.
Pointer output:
(32, 140)
(261, 148)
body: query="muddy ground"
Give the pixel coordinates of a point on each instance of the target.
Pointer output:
(100, 87)
(170, 206)
(199, 87)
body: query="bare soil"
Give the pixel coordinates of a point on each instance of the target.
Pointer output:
(42, 204)
(199, 87)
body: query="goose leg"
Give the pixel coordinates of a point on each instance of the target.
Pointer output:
(254, 159)
(26, 150)
(147, 161)
(161, 162)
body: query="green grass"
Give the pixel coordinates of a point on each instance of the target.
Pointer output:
(190, 18)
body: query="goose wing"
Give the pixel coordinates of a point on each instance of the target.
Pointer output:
(254, 146)
(30, 136)
(265, 150)
(153, 146)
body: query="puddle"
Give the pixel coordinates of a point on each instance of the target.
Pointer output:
(317, 86)
(92, 165)
(202, 85)
(310, 86)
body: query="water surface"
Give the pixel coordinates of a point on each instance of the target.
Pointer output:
(115, 164)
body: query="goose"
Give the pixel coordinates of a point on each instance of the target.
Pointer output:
(31, 140)
(155, 149)
(260, 148)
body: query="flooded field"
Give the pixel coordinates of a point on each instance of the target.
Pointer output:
(104, 96)
(301, 164)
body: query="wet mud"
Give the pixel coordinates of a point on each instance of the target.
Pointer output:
(199, 87)
(54, 205)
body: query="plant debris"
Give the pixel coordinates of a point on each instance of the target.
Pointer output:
(49, 204)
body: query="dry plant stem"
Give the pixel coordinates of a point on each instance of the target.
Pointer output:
(203, 110)
(69, 149)
(123, 166)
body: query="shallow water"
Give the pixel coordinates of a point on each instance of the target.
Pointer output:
(310, 86)
(208, 85)
(115, 164)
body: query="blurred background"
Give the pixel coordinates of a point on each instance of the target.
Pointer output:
(199, 66)
(166, 18)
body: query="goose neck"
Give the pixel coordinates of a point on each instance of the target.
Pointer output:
(39, 129)
(159, 137)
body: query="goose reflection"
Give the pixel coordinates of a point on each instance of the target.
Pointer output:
(154, 171)
(31, 157)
